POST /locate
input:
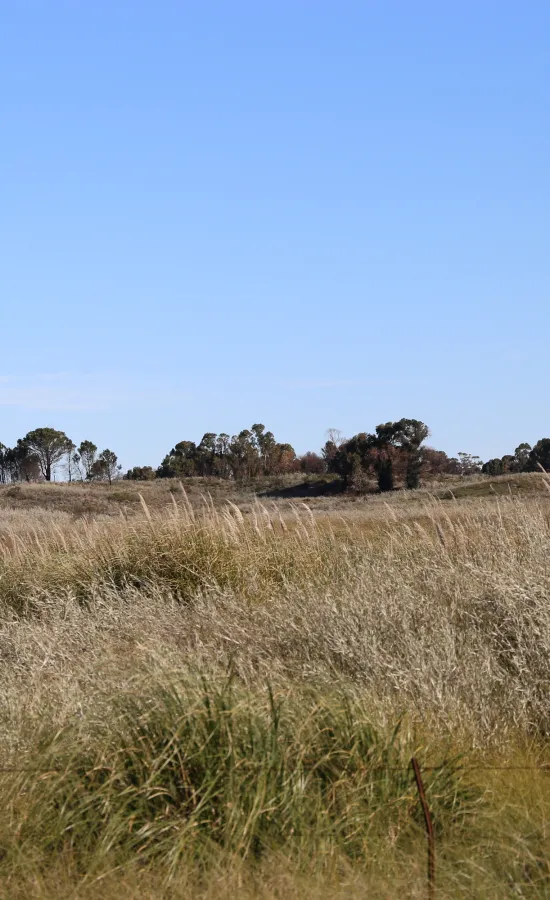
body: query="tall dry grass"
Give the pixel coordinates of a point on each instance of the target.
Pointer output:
(224, 700)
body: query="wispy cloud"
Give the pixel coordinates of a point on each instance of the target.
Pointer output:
(93, 392)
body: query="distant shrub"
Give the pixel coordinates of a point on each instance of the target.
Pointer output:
(140, 473)
(493, 467)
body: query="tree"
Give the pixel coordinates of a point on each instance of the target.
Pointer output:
(9, 465)
(394, 451)
(49, 446)
(18, 464)
(468, 464)
(180, 462)
(26, 463)
(335, 440)
(384, 468)
(312, 464)
(87, 451)
(140, 473)
(245, 458)
(223, 456)
(520, 462)
(205, 455)
(521, 455)
(363, 456)
(409, 435)
(72, 465)
(98, 471)
(264, 444)
(4, 470)
(493, 467)
(245, 455)
(436, 462)
(106, 465)
(539, 456)
(399, 443)
(335, 436)
(284, 460)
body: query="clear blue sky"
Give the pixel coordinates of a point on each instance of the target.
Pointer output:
(307, 214)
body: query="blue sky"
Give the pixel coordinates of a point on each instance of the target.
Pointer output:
(308, 214)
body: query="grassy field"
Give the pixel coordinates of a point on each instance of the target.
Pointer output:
(210, 694)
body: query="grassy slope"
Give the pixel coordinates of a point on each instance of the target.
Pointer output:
(502, 485)
(170, 777)
(82, 500)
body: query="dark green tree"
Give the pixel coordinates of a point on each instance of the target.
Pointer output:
(140, 473)
(493, 467)
(395, 445)
(245, 458)
(410, 435)
(384, 469)
(223, 456)
(521, 456)
(267, 449)
(205, 455)
(180, 462)
(49, 446)
(407, 437)
(18, 464)
(539, 457)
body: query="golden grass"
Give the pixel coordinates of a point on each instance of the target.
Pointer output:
(433, 614)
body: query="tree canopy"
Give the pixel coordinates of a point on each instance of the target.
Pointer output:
(249, 454)
(48, 446)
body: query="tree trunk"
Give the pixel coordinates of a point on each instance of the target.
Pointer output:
(413, 472)
(385, 476)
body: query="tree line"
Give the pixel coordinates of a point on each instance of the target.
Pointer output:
(250, 454)
(394, 455)
(524, 459)
(38, 455)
